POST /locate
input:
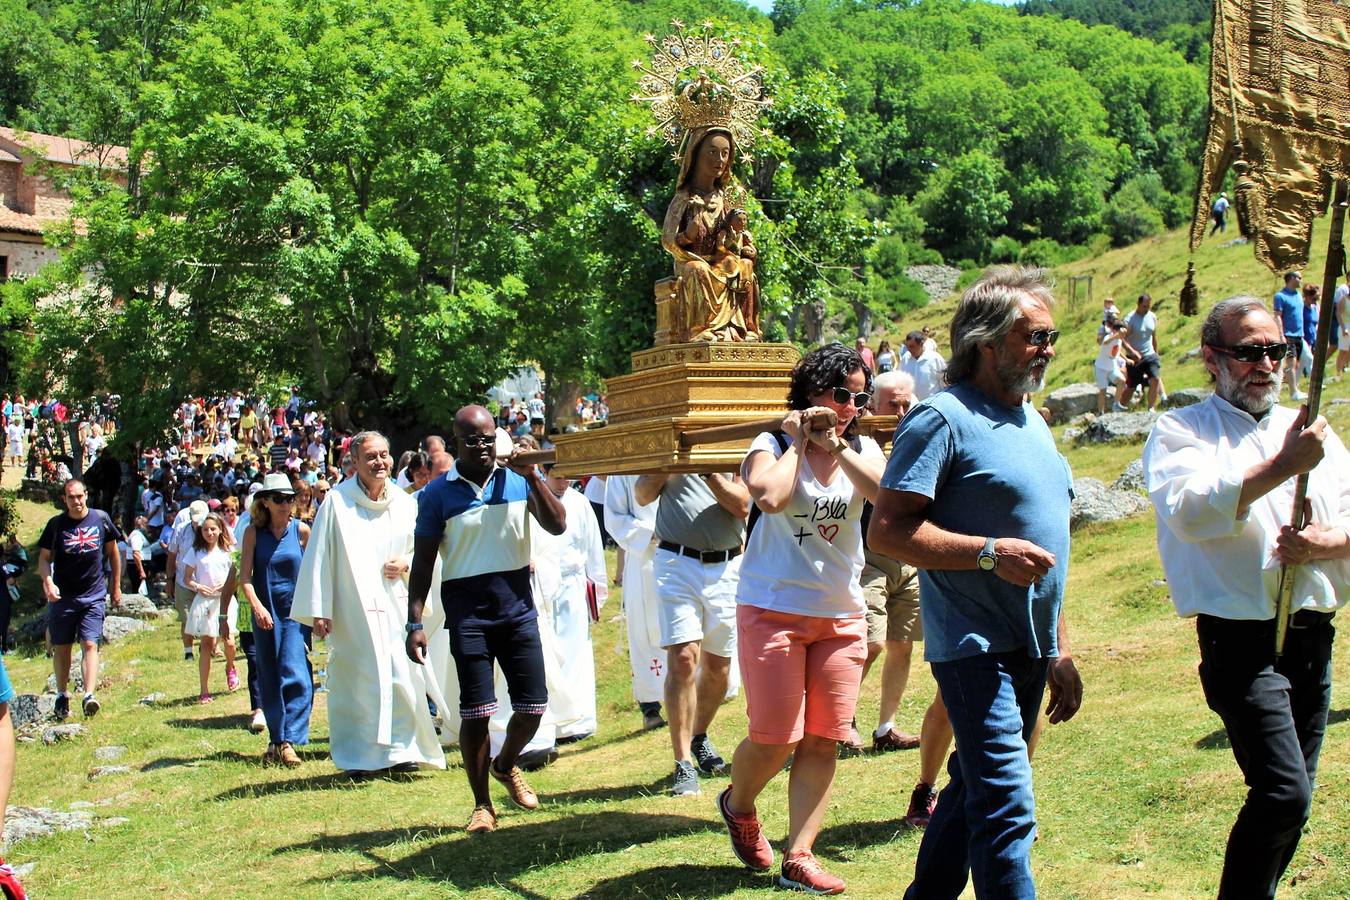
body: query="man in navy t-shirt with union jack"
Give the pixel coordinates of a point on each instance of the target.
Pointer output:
(71, 555)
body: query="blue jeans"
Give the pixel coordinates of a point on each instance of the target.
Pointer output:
(985, 819)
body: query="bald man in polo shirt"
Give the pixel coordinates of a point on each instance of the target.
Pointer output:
(475, 520)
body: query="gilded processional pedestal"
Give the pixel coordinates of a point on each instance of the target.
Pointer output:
(673, 392)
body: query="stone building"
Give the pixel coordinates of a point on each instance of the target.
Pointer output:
(30, 202)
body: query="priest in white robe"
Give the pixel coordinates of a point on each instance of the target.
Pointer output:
(351, 589)
(633, 526)
(570, 571)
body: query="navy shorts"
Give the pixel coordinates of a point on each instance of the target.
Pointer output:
(515, 647)
(1142, 372)
(69, 621)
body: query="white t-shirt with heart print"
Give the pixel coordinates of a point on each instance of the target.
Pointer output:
(807, 559)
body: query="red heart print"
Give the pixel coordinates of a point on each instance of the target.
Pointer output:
(828, 532)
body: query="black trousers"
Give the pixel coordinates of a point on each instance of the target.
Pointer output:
(1275, 713)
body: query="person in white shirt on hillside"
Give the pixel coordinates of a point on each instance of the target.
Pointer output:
(1109, 367)
(924, 364)
(1221, 476)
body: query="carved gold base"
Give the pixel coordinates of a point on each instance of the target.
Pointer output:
(703, 379)
(673, 390)
(641, 448)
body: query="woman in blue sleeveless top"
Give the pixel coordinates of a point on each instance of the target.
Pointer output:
(268, 568)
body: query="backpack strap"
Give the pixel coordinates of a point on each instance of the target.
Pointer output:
(755, 513)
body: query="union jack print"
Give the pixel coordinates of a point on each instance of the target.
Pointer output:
(80, 540)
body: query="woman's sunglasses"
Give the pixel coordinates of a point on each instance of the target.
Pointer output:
(843, 396)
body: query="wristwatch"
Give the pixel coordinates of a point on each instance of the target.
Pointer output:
(988, 559)
(412, 626)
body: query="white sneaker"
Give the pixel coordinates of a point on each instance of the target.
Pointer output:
(259, 724)
(1296, 394)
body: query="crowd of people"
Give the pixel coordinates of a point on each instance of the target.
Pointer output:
(457, 586)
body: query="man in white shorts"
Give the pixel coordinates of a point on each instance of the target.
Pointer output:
(700, 530)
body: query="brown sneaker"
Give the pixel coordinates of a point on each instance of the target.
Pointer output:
(289, 758)
(520, 793)
(894, 740)
(483, 820)
(853, 746)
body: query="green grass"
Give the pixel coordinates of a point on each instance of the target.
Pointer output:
(1135, 796)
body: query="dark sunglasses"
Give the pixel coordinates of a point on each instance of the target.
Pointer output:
(280, 498)
(1252, 353)
(1042, 337)
(844, 396)
(479, 440)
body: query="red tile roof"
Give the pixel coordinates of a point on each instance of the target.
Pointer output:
(11, 220)
(64, 150)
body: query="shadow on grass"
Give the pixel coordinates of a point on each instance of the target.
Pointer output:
(688, 881)
(609, 793)
(1218, 738)
(173, 762)
(232, 722)
(837, 839)
(292, 785)
(465, 863)
(604, 743)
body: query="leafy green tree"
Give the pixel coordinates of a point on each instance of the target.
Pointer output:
(965, 204)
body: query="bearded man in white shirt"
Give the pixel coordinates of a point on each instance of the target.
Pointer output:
(1221, 477)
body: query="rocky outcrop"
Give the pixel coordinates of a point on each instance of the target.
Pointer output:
(1185, 397)
(1132, 479)
(937, 281)
(1071, 401)
(115, 628)
(1095, 502)
(1121, 426)
(138, 606)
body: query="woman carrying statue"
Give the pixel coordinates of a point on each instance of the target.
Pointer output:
(717, 286)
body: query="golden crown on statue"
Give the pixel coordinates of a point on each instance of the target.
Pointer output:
(695, 81)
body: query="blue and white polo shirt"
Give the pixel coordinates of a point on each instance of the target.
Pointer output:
(485, 546)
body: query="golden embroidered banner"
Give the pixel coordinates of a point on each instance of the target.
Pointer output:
(1280, 82)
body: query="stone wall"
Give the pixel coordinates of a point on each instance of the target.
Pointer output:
(9, 184)
(26, 257)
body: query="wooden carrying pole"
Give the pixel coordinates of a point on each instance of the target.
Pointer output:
(1326, 320)
(718, 434)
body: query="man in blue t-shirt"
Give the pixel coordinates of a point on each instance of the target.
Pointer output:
(976, 496)
(1288, 308)
(476, 520)
(71, 555)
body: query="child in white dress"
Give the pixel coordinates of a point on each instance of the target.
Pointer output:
(208, 568)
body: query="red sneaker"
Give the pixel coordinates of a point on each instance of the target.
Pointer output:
(9, 884)
(747, 838)
(802, 872)
(922, 802)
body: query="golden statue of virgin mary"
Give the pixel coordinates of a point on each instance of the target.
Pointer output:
(714, 262)
(707, 102)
